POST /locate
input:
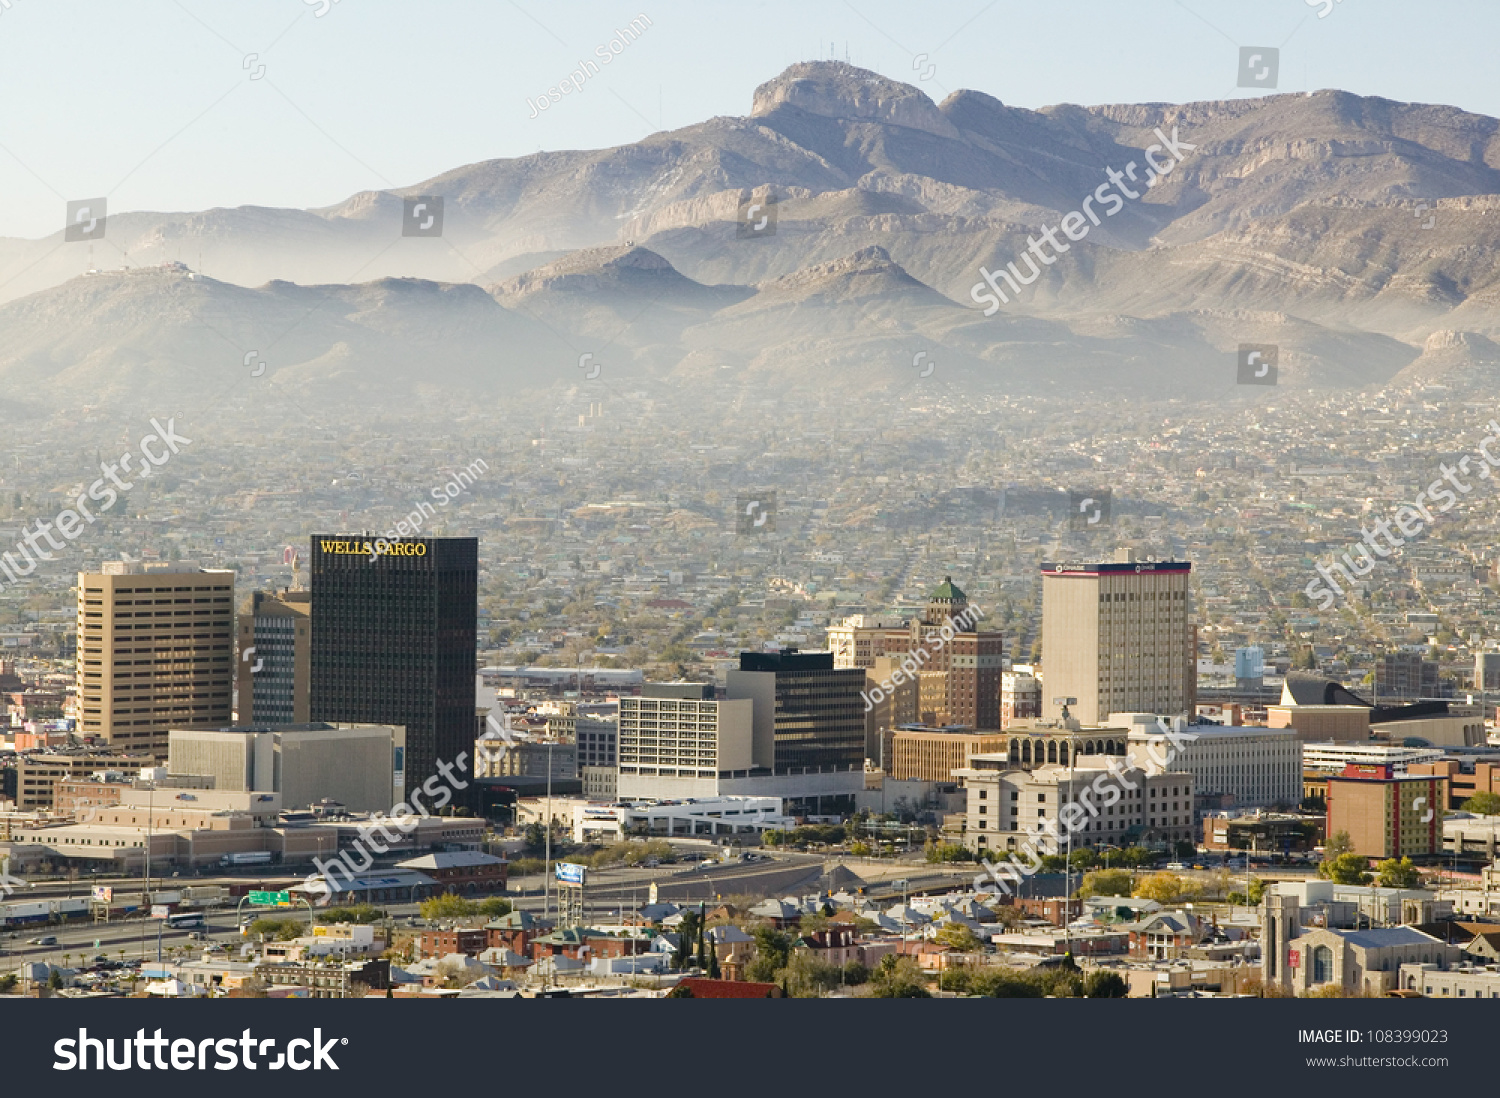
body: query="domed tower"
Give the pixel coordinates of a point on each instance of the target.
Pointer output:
(945, 604)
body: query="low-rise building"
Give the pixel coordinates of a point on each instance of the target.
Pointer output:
(1099, 804)
(708, 816)
(1460, 982)
(461, 870)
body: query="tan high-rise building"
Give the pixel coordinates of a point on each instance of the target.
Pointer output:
(274, 668)
(1116, 636)
(155, 651)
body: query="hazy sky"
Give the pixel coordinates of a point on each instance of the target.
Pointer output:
(155, 103)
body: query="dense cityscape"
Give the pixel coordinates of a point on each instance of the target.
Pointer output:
(961, 503)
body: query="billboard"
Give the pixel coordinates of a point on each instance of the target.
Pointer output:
(103, 895)
(570, 872)
(160, 911)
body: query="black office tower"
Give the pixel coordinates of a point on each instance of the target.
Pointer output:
(393, 633)
(808, 726)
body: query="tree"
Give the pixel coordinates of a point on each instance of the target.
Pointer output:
(902, 978)
(681, 991)
(276, 929)
(1483, 804)
(687, 938)
(1257, 890)
(1105, 882)
(772, 949)
(1082, 859)
(855, 973)
(495, 907)
(1338, 844)
(54, 979)
(807, 977)
(1185, 849)
(1003, 984)
(358, 913)
(1398, 874)
(1346, 869)
(448, 905)
(958, 937)
(8, 983)
(1104, 984)
(1164, 888)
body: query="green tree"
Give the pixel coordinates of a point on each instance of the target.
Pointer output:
(958, 937)
(1185, 849)
(1083, 859)
(1104, 984)
(1005, 984)
(855, 973)
(1483, 804)
(901, 978)
(687, 938)
(772, 949)
(55, 980)
(808, 977)
(1105, 882)
(1346, 869)
(276, 929)
(495, 907)
(1398, 874)
(448, 905)
(1338, 844)
(358, 913)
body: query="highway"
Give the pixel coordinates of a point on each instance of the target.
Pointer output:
(609, 892)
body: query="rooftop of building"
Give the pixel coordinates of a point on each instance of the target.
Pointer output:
(948, 591)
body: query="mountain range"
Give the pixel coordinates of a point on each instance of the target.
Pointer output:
(1356, 234)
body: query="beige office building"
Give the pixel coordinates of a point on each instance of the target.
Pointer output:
(933, 754)
(1117, 637)
(353, 764)
(155, 651)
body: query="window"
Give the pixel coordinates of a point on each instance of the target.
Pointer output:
(1322, 965)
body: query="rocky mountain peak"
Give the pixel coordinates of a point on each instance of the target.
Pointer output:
(837, 90)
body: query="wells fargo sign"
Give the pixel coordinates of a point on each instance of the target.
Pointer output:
(372, 549)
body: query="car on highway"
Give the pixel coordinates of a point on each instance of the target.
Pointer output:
(1175, 865)
(44, 940)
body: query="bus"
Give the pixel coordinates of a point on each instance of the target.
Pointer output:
(186, 920)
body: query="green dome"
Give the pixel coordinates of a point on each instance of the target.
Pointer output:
(949, 592)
